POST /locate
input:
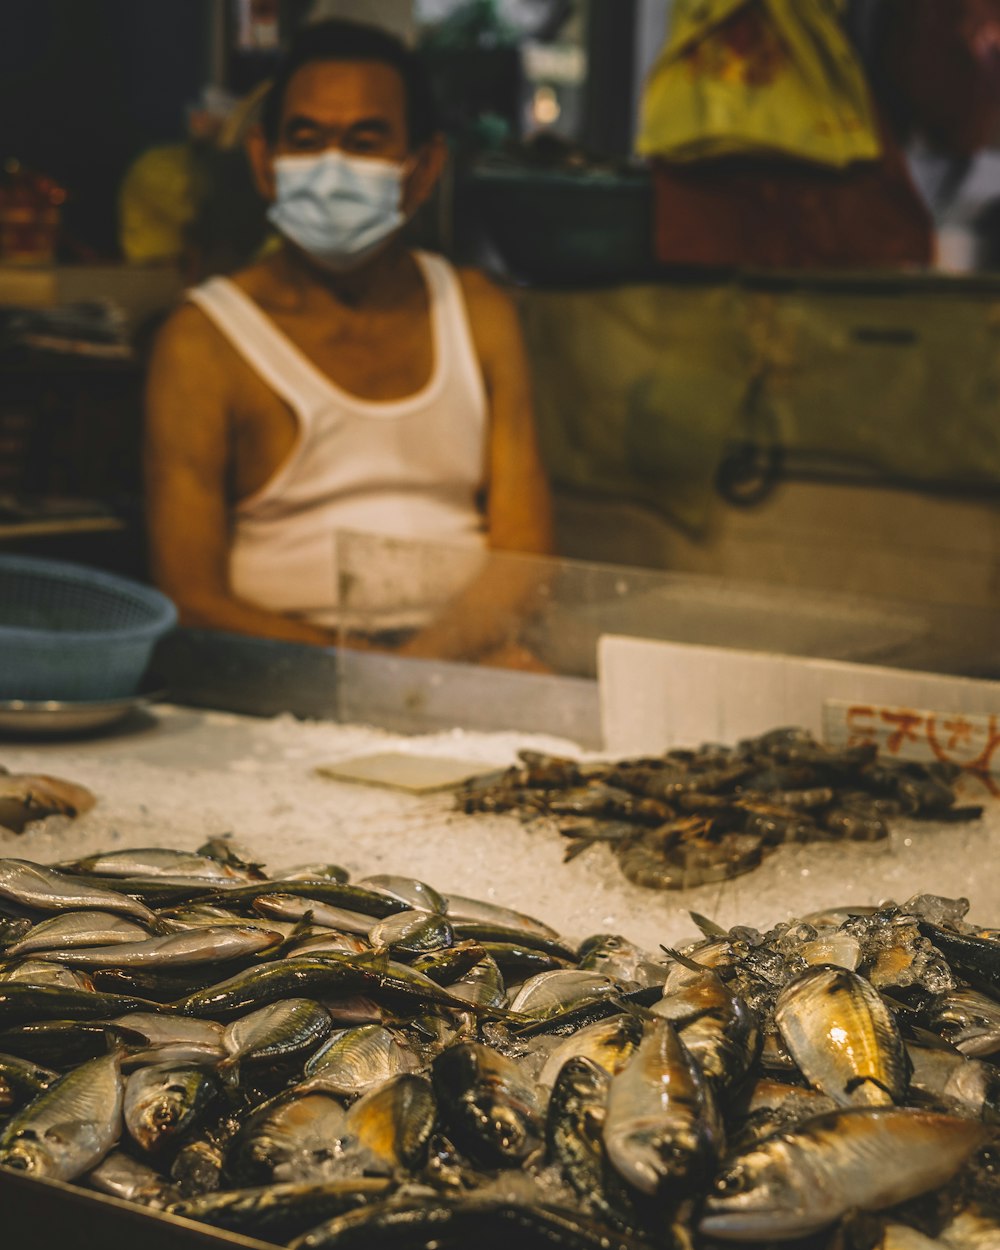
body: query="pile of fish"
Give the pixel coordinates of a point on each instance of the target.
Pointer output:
(321, 1063)
(689, 817)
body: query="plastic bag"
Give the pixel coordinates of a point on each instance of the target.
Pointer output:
(752, 76)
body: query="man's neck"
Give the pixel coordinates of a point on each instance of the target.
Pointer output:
(378, 282)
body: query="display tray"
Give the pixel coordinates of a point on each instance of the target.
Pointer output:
(54, 718)
(51, 1213)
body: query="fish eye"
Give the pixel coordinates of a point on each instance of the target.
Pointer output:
(734, 1182)
(508, 1129)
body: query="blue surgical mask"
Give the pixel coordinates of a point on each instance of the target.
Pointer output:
(340, 209)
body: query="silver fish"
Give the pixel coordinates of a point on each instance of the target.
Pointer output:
(716, 1025)
(290, 1140)
(70, 1126)
(339, 943)
(324, 915)
(608, 1043)
(775, 1107)
(233, 854)
(357, 1060)
(178, 950)
(477, 910)
(279, 1029)
(965, 1086)
(38, 972)
(617, 957)
(843, 1037)
(206, 916)
(394, 1120)
(45, 889)
(20, 1081)
(78, 928)
(123, 1177)
(313, 872)
(969, 1020)
(493, 1112)
(417, 894)
(155, 862)
(548, 993)
(714, 953)
(172, 1039)
(662, 1130)
(798, 1182)
(482, 986)
(163, 1102)
(411, 933)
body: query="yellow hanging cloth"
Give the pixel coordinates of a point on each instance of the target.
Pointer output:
(758, 76)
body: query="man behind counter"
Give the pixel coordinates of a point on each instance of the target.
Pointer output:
(343, 382)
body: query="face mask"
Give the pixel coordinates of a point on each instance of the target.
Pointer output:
(340, 209)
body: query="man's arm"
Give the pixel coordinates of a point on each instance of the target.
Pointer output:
(186, 461)
(480, 621)
(519, 504)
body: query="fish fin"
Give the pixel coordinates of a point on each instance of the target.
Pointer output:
(577, 848)
(372, 961)
(123, 1040)
(708, 927)
(692, 965)
(857, 1081)
(931, 1041)
(636, 1010)
(515, 1018)
(280, 949)
(897, 1005)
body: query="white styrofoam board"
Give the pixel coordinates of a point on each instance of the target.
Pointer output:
(658, 695)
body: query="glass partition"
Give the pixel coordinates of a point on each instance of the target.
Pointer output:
(463, 604)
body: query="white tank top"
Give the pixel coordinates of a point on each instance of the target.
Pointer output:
(408, 468)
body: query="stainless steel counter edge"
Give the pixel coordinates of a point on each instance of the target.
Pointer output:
(42, 1213)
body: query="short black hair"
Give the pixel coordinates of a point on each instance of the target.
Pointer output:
(337, 40)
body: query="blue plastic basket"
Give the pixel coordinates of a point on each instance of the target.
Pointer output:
(73, 633)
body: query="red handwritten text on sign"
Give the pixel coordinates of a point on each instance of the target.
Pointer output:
(970, 742)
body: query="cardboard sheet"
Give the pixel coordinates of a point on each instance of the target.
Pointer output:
(398, 770)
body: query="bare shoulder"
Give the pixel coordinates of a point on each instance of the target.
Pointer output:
(191, 352)
(492, 312)
(483, 293)
(188, 331)
(193, 378)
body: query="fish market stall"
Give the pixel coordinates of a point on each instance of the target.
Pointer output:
(184, 778)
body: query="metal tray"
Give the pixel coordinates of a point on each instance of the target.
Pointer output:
(52, 718)
(46, 1213)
